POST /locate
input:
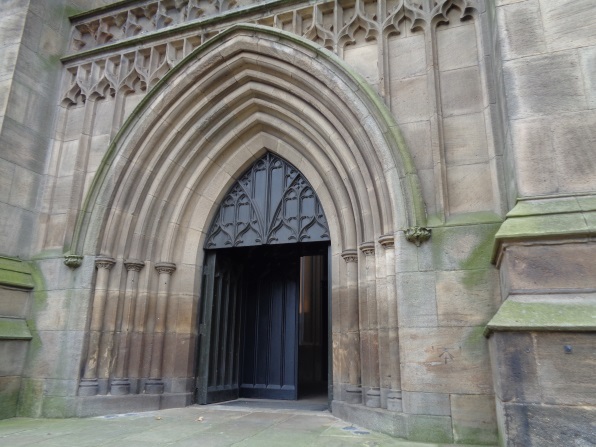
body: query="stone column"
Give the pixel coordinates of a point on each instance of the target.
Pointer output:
(353, 393)
(394, 398)
(89, 385)
(370, 368)
(155, 383)
(121, 383)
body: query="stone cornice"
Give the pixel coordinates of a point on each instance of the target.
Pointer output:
(547, 218)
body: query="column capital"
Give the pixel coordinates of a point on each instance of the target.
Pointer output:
(165, 267)
(104, 262)
(368, 248)
(350, 255)
(134, 265)
(387, 241)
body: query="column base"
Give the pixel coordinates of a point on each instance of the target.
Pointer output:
(88, 387)
(120, 387)
(154, 386)
(394, 401)
(353, 394)
(373, 398)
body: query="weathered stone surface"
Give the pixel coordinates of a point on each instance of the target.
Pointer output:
(461, 92)
(470, 189)
(561, 17)
(413, 50)
(416, 299)
(466, 298)
(463, 247)
(457, 47)
(444, 360)
(409, 99)
(430, 428)
(473, 419)
(465, 139)
(522, 31)
(514, 367)
(550, 267)
(546, 425)
(426, 403)
(544, 84)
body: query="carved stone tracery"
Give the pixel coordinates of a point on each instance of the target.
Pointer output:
(272, 203)
(332, 24)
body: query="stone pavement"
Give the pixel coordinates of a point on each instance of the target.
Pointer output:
(196, 426)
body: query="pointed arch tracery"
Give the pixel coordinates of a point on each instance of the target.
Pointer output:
(272, 203)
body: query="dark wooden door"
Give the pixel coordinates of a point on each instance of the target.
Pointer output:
(270, 330)
(219, 329)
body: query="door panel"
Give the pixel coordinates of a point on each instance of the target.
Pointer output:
(270, 354)
(219, 330)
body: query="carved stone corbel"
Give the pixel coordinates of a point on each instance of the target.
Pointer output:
(417, 235)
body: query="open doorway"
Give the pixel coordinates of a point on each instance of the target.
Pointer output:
(264, 323)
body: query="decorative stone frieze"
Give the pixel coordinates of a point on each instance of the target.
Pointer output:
(331, 24)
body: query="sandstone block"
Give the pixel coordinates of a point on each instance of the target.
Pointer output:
(467, 298)
(470, 188)
(461, 92)
(474, 419)
(411, 49)
(559, 17)
(465, 139)
(409, 99)
(445, 360)
(457, 47)
(522, 31)
(545, 84)
(416, 299)
(436, 404)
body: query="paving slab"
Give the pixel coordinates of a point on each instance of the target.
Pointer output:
(205, 426)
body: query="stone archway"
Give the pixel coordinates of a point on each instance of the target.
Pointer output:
(250, 90)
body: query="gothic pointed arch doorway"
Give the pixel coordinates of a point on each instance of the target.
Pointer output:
(263, 324)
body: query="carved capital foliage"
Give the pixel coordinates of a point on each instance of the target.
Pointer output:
(387, 241)
(165, 267)
(104, 262)
(417, 235)
(350, 256)
(73, 261)
(134, 265)
(368, 248)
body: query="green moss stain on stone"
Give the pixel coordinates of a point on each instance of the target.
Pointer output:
(537, 316)
(30, 398)
(465, 434)
(480, 255)
(14, 329)
(430, 429)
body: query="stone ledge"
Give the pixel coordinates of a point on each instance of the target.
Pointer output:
(544, 313)
(547, 218)
(14, 329)
(15, 273)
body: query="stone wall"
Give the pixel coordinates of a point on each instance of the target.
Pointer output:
(545, 251)
(417, 115)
